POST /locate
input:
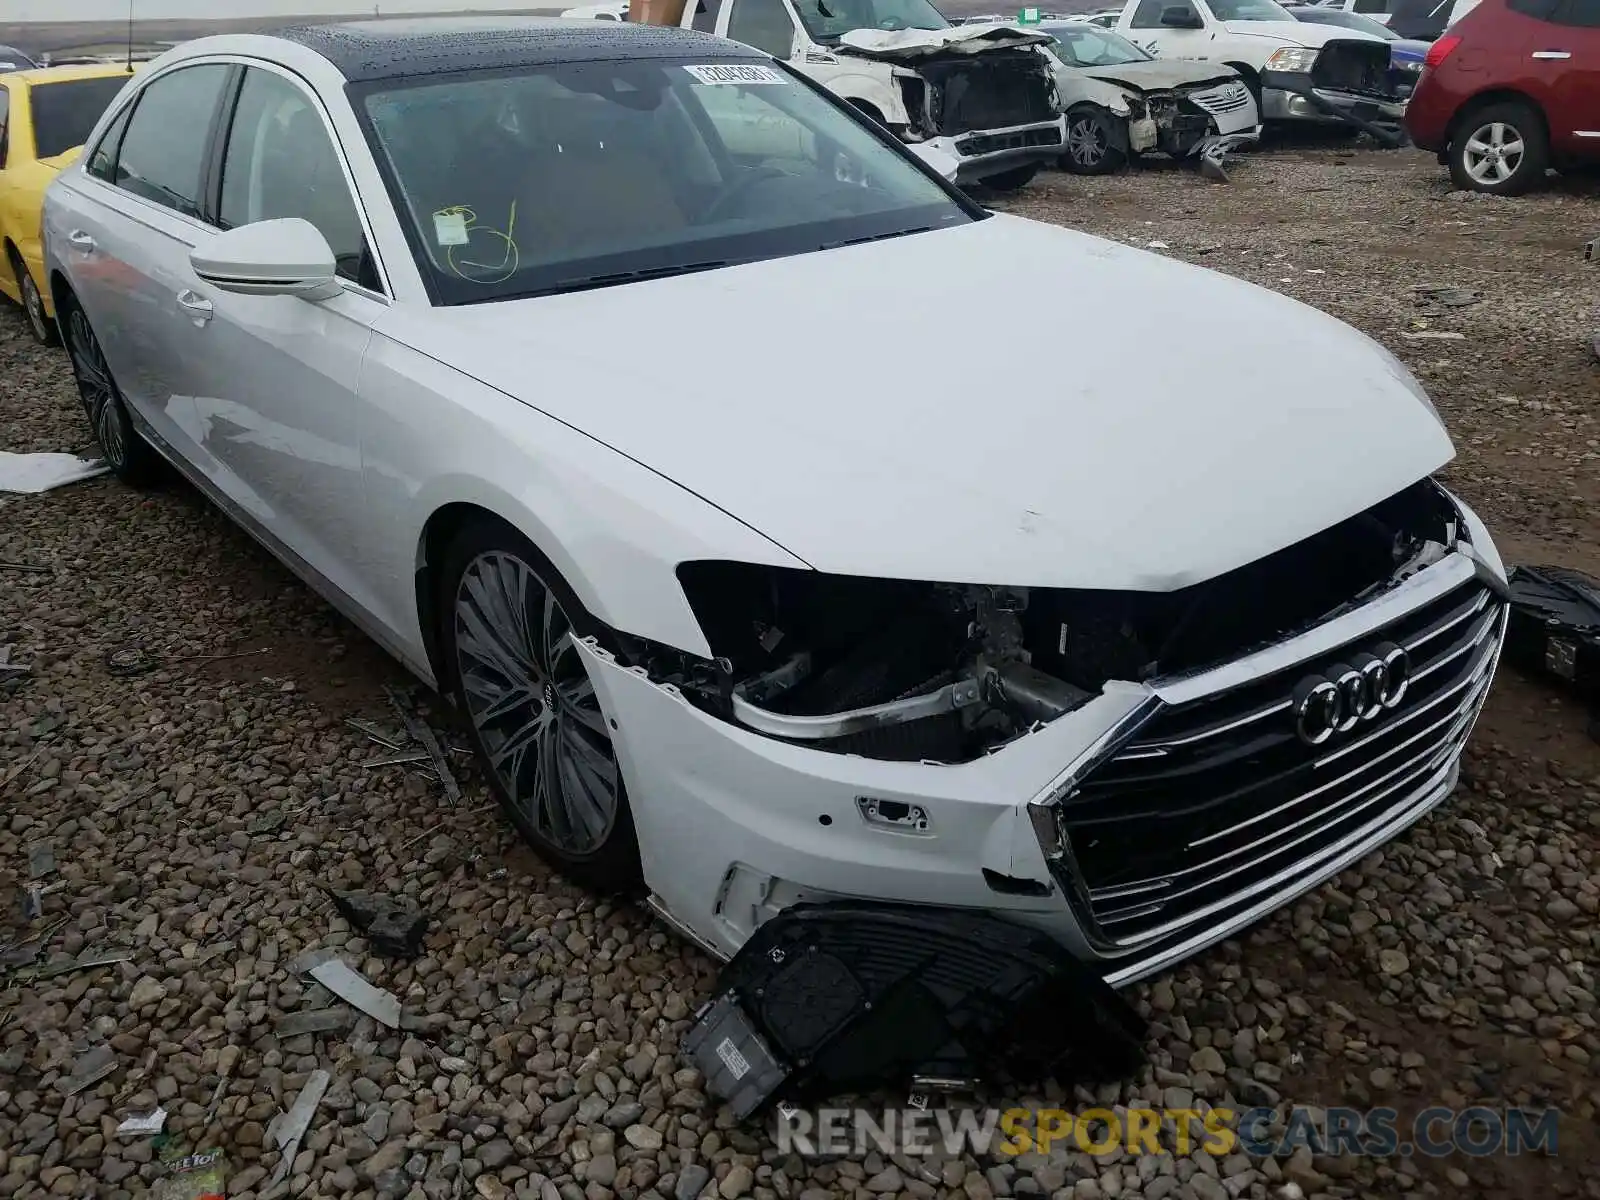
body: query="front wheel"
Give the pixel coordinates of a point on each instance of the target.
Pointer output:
(1093, 144)
(1500, 149)
(537, 725)
(1013, 180)
(127, 454)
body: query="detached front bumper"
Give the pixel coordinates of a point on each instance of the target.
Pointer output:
(1127, 830)
(1293, 96)
(972, 157)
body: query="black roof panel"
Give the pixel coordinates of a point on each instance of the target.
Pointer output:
(367, 50)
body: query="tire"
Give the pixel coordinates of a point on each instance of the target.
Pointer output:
(869, 111)
(1013, 180)
(40, 326)
(1092, 143)
(129, 456)
(1500, 148)
(534, 718)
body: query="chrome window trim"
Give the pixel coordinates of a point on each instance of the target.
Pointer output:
(234, 58)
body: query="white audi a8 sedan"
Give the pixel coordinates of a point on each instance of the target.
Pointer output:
(628, 388)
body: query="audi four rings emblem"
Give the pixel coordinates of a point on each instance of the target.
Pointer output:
(1351, 694)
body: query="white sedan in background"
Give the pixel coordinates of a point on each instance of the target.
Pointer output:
(620, 382)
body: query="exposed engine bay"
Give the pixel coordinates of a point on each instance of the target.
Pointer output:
(912, 671)
(963, 93)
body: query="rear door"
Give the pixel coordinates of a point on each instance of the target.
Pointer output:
(125, 237)
(1574, 80)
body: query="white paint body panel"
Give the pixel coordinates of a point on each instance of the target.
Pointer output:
(1165, 458)
(1147, 471)
(1249, 43)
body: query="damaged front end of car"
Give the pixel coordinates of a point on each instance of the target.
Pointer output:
(960, 806)
(1346, 81)
(1188, 122)
(983, 96)
(909, 671)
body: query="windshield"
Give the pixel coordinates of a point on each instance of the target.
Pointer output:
(1248, 10)
(65, 111)
(577, 175)
(828, 20)
(1078, 44)
(1346, 20)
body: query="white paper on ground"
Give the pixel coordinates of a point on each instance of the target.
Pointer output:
(41, 472)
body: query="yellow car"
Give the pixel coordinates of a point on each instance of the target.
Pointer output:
(45, 117)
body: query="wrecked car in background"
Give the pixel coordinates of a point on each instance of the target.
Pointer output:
(977, 102)
(1298, 71)
(1120, 101)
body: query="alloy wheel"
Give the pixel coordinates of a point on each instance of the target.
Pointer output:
(533, 706)
(1493, 153)
(95, 389)
(33, 305)
(1086, 142)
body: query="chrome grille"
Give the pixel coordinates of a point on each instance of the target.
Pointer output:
(1219, 800)
(1230, 97)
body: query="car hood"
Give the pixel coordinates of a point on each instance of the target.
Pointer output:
(908, 45)
(1158, 73)
(1001, 402)
(1298, 33)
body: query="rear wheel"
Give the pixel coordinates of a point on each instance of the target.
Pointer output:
(1092, 143)
(537, 724)
(1500, 148)
(39, 325)
(127, 454)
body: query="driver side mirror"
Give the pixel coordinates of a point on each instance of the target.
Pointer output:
(1181, 16)
(283, 257)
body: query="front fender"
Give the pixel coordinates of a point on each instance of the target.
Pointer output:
(614, 529)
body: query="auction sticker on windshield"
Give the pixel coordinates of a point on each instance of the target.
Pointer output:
(736, 73)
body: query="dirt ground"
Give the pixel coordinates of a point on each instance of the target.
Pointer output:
(196, 813)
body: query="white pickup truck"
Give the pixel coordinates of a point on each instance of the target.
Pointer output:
(977, 102)
(1298, 71)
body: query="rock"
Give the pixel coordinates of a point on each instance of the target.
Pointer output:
(1393, 962)
(736, 1182)
(146, 991)
(387, 1157)
(691, 1182)
(603, 1170)
(1207, 1059)
(494, 1155)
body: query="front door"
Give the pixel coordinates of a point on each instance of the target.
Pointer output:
(279, 423)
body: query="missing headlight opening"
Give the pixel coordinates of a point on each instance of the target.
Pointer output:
(941, 672)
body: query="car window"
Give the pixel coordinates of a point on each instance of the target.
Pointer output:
(705, 15)
(280, 161)
(764, 24)
(1248, 10)
(65, 111)
(565, 176)
(1148, 14)
(103, 160)
(1584, 13)
(1083, 45)
(828, 20)
(5, 123)
(164, 148)
(1372, 6)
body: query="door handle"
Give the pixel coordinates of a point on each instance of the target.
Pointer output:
(1552, 54)
(80, 241)
(196, 305)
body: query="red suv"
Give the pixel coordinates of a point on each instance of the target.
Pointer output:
(1511, 88)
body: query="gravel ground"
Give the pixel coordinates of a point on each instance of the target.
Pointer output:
(198, 812)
